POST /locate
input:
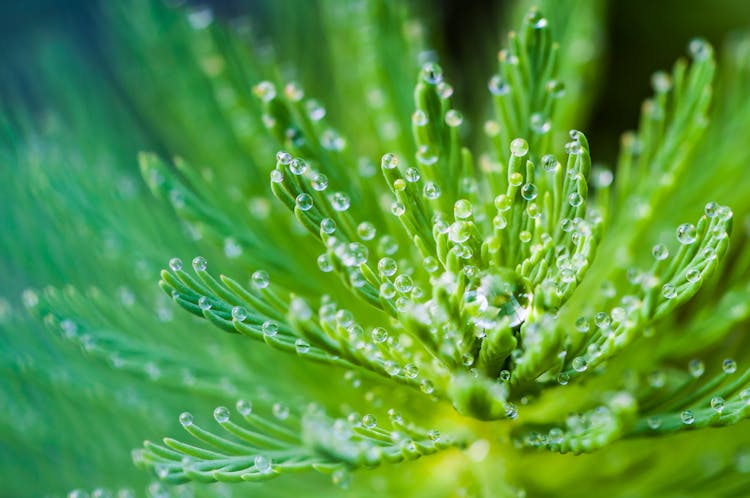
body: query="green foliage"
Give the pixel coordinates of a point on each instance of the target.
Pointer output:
(523, 306)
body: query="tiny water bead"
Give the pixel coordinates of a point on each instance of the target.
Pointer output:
(277, 176)
(280, 411)
(186, 419)
(221, 414)
(498, 86)
(419, 118)
(432, 73)
(453, 118)
(579, 364)
(204, 303)
(699, 49)
(327, 225)
(660, 252)
(379, 335)
(549, 162)
(539, 123)
(686, 233)
(398, 209)
(661, 82)
(687, 417)
(301, 346)
(239, 313)
(265, 91)
(298, 166)
(319, 182)
(263, 464)
(340, 201)
(283, 157)
(729, 366)
(412, 175)
(366, 230)
(427, 155)
(654, 423)
(244, 407)
(717, 404)
(500, 294)
(519, 147)
(369, 421)
(529, 191)
(270, 328)
(431, 191)
(669, 291)
(175, 264)
(260, 279)
(575, 199)
(462, 209)
(387, 266)
(693, 275)
(200, 263)
(324, 263)
(696, 368)
(304, 202)
(711, 210)
(602, 320)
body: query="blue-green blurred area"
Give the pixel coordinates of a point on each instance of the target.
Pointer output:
(81, 95)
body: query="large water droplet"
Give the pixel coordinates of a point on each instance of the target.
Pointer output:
(500, 293)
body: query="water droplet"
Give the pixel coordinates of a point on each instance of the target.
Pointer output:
(427, 155)
(563, 378)
(717, 403)
(379, 335)
(404, 283)
(462, 209)
(556, 88)
(369, 421)
(459, 232)
(579, 364)
(529, 191)
(324, 263)
(431, 264)
(602, 320)
(341, 478)
(504, 375)
(175, 264)
(693, 275)
(431, 191)
(327, 225)
(186, 419)
(661, 82)
(686, 233)
(433, 435)
(411, 370)
(426, 386)
(699, 49)
(204, 303)
(265, 91)
(696, 368)
(366, 230)
(221, 414)
(304, 202)
(200, 263)
(711, 210)
(340, 201)
(519, 147)
(582, 324)
(260, 279)
(398, 209)
(540, 124)
(515, 179)
(263, 464)
(387, 266)
(239, 313)
(501, 293)
(432, 73)
(453, 118)
(297, 166)
(729, 366)
(280, 411)
(669, 291)
(660, 252)
(419, 118)
(319, 182)
(270, 328)
(301, 346)
(283, 157)
(498, 86)
(444, 90)
(391, 368)
(575, 199)
(315, 111)
(687, 417)
(277, 176)
(244, 407)
(653, 422)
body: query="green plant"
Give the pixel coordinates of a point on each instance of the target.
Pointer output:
(489, 300)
